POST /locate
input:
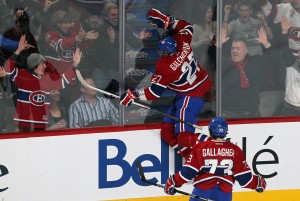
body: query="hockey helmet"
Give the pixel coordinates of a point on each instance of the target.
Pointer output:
(218, 127)
(167, 44)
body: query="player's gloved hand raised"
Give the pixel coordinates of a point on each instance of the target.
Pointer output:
(169, 186)
(261, 184)
(129, 96)
(160, 20)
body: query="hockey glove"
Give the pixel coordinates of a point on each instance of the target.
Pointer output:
(128, 97)
(169, 186)
(160, 20)
(261, 184)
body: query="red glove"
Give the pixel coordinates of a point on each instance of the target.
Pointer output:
(160, 20)
(169, 187)
(128, 97)
(261, 184)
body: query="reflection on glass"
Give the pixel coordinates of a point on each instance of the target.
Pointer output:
(257, 65)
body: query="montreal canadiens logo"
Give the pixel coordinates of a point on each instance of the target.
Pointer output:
(64, 55)
(295, 33)
(37, 98)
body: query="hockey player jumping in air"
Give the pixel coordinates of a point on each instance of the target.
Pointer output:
(176, 70)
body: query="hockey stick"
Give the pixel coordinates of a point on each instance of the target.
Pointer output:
(143, 178)
(83, 82)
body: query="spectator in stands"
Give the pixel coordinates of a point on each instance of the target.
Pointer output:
(9, 44)
(276, 12)
(89, 22)
(271, 10)
(204, 31)
(106, 51)
(234, 13)
(272, 97)
(90, 19)
(61, 42)
(203, 43)
(92, 110)
(291, 12)
(22, 27)
(8, 13)
(63, 39)
(242, 78)
(292, 98)
(34, 86)
(41, 13)
(292, 85)
(246, 27)
(58, 115)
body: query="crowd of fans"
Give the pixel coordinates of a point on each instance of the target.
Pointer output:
(259, 42)
(257, 78)
(264, 55)
(41, 43)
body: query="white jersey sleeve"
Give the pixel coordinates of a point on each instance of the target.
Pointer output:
(293, 16)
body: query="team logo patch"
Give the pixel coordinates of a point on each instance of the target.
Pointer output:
(295, 33)
(64, 55)
(37, 98)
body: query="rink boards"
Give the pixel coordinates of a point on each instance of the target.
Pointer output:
(101, 166)
(274, 195)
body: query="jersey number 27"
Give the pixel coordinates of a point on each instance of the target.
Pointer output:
(190, 68)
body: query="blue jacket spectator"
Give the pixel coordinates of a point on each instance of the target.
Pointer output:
(8, 44)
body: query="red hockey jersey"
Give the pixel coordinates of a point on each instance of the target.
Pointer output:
(33, 95)
(179, 72)
(216, 162)
(61, 47)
